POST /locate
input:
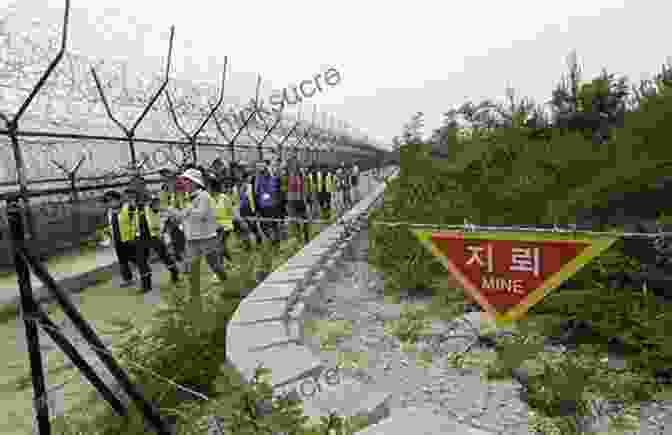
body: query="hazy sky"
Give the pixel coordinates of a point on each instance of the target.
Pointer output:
(395, 58)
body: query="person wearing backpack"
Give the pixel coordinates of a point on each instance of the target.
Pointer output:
(156, 243)
(170, 198)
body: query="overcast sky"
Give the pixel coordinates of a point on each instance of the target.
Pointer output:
(395, 58)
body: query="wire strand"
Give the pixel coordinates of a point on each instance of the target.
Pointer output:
(59, 330)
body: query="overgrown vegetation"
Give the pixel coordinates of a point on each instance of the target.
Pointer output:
(514, 166)
(191, 352)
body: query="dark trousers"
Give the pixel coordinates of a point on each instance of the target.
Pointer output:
(252, 228)
(157, 245)
(325, 200)
(347, 197)
(271, 229)
(178, 240)
(224, 237)
(131, 252)
(299, 210)
(124, 256)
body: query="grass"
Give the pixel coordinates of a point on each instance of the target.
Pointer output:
(102, 306)
(329, 331)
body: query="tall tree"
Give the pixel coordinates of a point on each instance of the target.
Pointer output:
(593, 107)
(445, 139)
(413, 132)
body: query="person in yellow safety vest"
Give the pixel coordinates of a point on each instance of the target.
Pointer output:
(338, 199)
(156, 243)
(240, 225)
(248, 209)
(308, 191)
(223, 203)
(296, 200)
(330, 185)
(121, 233)
(132, 232)
(323, 193)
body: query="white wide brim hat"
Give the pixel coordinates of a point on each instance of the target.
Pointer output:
(195, 176)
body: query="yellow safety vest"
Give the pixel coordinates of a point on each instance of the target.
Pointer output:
(127, 226)
(307, 183)
(331, 183)
(166, 199)
(173, 199)
(223, 206)
(235, 197)
(153, 221)
(320, 181)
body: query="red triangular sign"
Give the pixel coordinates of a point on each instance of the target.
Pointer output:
(508, 272)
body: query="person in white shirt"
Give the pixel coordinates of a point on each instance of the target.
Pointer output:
(200, 229)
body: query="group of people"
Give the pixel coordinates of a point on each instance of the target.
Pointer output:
(197, 210)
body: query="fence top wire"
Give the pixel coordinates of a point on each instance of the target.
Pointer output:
(192, 136)
(467, 227)
(311, 133)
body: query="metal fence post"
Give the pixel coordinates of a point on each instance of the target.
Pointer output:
(136, 168)
(194, 135)
(147, 408)
(28, 311)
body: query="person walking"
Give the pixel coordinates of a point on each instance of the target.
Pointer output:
(200, 229)
(347, 199)
(247, 209)
(156, 243)
(338, 200)
(330, 195)
(267, 198)
(121, 233)
(137, 252)
(223, 203)
(283, 174)
(296, 201)
(309, 191)
(171, 198)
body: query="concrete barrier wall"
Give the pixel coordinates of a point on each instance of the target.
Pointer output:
(267, 327)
